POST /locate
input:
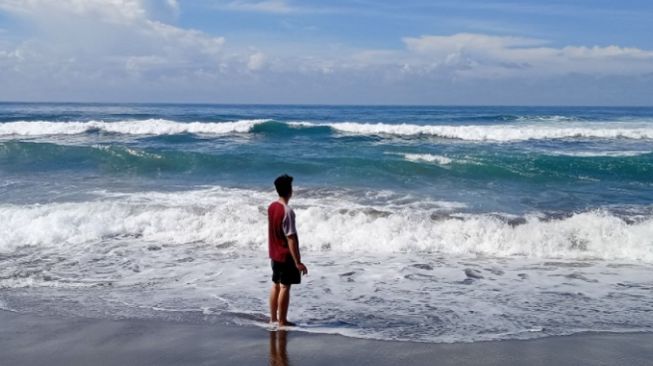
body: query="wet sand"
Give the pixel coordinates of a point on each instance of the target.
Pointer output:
(33, 340)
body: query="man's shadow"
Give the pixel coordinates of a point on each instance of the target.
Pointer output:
(278, 354)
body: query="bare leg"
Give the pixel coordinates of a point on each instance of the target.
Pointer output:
(284, 301)
(274, 302)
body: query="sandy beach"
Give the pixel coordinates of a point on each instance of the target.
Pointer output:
(33, 340)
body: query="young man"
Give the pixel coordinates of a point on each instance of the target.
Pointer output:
(287, 266)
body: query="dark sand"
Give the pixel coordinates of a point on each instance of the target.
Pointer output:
(33, 340)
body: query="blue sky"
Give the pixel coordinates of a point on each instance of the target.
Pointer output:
(328, 52)
(384, 23)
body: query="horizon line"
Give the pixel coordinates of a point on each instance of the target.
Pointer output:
(331, 104)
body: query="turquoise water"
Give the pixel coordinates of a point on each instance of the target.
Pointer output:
(412, 212)
(491, 158)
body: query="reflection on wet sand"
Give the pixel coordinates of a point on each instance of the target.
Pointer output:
(278, 354)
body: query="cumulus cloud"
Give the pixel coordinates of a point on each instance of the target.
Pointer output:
(82, 44)
(110, 24)
(105, 10)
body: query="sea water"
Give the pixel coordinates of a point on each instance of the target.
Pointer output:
(434, 224)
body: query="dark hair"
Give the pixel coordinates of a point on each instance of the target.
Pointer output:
(283, 184)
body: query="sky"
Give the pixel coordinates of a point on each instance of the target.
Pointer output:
(473, 52)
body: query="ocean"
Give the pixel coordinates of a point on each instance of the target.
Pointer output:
(427, 224)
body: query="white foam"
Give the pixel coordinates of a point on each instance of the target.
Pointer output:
(592, 154)
(554, 118)
(204, 253)
(547, 129)
(511, 132)
(129, 151)
(218, 216)
(439, 159)
(3, 306)
(140, 127)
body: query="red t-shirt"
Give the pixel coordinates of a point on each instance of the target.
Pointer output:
(281, 224)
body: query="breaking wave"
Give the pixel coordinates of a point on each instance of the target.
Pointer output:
(501, 133)
(597, 154)
(142, 127)
(546, 129)
(238, 217)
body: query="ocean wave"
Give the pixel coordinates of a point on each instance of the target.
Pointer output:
(135, 127)
(126, 159)
(500, 133)
(113, 158)
(600, 154)
(511, 117)
(216, 216)
(483, 132)
(548, 118)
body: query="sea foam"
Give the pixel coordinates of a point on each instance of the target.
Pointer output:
(237, 217)
(141, 127)
(430, 158)
(502, 133)
(600, 154)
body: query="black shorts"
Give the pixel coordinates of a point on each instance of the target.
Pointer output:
(286, 272)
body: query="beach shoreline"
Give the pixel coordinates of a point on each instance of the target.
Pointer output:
(27, 339)
(421, 223)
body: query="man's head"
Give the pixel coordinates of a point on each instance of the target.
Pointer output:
(283, 184)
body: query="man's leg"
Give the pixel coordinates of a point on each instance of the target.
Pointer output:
(274, 302)
(284, 301)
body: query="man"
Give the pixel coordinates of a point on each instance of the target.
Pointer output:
(287, 266)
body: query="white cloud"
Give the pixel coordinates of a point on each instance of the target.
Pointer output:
(106, 10)
(480, 55)
(466, 41)
(266, 6)
(86, 40)
(279, 7)
(117, 49)
(173, 5)
(256, 61)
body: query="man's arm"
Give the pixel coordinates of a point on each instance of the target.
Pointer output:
(293, 245)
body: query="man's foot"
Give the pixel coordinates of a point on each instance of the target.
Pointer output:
(287, 324)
